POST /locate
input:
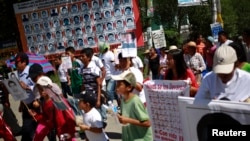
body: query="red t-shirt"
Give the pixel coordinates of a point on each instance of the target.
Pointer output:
(190, 75)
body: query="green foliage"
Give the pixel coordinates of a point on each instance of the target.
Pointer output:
(172, 37)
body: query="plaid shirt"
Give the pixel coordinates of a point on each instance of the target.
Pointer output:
(195, 62)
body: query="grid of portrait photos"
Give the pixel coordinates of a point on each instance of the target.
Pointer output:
(78, 25)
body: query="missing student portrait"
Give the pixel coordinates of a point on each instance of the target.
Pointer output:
(130, 22)
(27, 29)
(128, 11)
(98, 16)
(25, 18)
(101, 38)
(51, 47)
(117, 12)
(107, 14)
(46, 25)
(95, 4)
(68, 32)
(53, 12)
(116, 2)
(66, 21)
(56, 23)
(80, 42)
(78, 31)
(91, 41)
(58, 34)
(111, 37)
(44, 14)
(86, 18)
(29, 39)
(71, 43)
(41, 49)
(39, 37)
(74, 8)
(60, 46)
(36, 27)
(76, 20)
(34, 16)
(85, 6)
(109, 26)
(64, 10)
(99, 28)
(106, 3)
(119, 24)
(48, 36)
(88, 29)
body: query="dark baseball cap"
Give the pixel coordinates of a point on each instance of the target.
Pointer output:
(88, 97)
(35, 70)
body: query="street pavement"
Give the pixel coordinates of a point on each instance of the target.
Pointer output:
(113, 128)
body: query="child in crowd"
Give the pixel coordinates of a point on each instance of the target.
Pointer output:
(51, 117)
(134, 114)
(92, 123)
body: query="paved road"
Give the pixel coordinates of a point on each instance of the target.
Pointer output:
(113, 129)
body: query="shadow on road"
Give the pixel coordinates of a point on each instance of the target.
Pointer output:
(114, 135)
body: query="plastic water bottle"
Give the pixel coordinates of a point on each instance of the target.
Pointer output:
(112, 108)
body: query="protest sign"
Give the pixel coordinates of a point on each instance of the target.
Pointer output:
(183, 3)
(129, 45)
(66, 63)
(162, 105)
(15, 89)
(216, 28)
(13, 74)
(195, 116)
(159, 38)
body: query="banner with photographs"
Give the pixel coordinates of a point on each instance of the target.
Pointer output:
(48, 26)
(162, 105)
(183, 3)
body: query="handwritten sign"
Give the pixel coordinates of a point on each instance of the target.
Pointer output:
(66, 63)
(162, 105)
(159, 38)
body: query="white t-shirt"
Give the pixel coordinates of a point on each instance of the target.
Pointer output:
(226, 43)
(137, 62)
(98, 62)
(237, 89)
(108, 59)
(94, 119)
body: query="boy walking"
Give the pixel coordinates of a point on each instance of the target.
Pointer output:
(92, 123)
(134, 114)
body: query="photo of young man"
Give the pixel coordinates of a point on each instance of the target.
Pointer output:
(34, 16)
(101, 38)
(53, 12)
(76, 20)
(44, 14)
(99, 28)
(58, 34)
(56, 23)
(85, 6)
(119, 24)
(78, 31)
(41, 49)
(117, 12)
(107, 14)
(130, 22)
(128, 11)
(109, 26)
(51, 47)
(91, 41)
(36, 27)
(68, 32)
(27, 29)
(74, 8)
(71, 43)
(98, 16)
(88, 29)
(39, 37)
(64, 10)
(95, 4)
(80, 42)
(46, 25)
(25, 17)
(111, 37)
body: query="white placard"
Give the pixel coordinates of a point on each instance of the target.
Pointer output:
(15, 89)
(129, 45)
(159, 38)
(13, 74)
(183, 3)
(66, 62)
(216, 28)
(191, 114)
(162, 105)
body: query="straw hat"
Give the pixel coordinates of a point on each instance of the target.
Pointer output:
(146, 51)
(191, 44)
(172, 47)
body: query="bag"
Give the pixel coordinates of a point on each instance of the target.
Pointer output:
(10, 119)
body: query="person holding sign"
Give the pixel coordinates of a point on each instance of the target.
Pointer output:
(226, 81)
(178, 70)
(29, 124)
(137, 124)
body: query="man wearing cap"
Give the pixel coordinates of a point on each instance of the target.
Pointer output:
(29, 124)
(225, 81)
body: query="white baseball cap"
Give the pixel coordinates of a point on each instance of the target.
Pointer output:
(172, 47)
(224, 59)
(44, 81)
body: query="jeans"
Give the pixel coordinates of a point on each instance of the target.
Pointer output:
(110, 89)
